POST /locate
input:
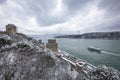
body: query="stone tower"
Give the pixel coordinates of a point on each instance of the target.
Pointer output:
(52, 45)
(11, 29)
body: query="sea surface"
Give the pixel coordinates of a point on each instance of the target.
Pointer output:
(110, 55)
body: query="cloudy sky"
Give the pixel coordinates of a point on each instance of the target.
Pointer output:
(60, 16)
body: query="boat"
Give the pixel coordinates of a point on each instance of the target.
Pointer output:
(93, 49)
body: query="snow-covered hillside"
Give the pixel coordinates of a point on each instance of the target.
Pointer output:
(24, 58)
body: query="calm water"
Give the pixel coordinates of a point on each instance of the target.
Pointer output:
(110, 55)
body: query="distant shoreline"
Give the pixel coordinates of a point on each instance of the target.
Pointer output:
(94, 35)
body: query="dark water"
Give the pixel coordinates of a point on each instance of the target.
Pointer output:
(110, 56)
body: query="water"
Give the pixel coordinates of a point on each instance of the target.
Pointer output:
(110, 55)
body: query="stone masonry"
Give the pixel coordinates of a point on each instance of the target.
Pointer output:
(11, 29)
(52, 45)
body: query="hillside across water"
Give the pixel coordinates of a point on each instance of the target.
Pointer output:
(94, 35)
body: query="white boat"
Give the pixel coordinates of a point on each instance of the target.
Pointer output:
(93, 49)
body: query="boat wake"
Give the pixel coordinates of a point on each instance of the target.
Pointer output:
(109, 53)
(99, 50)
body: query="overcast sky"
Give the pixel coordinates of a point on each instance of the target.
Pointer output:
(61, 16)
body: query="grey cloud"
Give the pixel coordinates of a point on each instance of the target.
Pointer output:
(2, 1)
(74, 5)
(37, 7)
(112, 7)
(40, 9)
(49, 21)
(23, 10)
(113, 25)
